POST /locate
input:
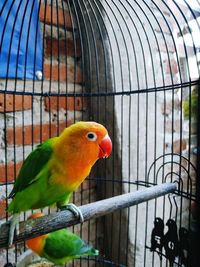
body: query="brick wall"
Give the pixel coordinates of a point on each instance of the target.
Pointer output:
(27, 120)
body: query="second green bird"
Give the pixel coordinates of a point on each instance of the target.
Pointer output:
(60, 246)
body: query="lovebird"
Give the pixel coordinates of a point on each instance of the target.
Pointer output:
(52, 171)
(60, 246)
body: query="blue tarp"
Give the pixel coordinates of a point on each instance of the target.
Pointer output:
(21, 53)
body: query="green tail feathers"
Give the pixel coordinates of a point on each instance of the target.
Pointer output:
(94, 252)
(88, 250)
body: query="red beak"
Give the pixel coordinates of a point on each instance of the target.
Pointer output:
(105, 147)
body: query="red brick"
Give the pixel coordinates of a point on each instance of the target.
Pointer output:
(169, 48)
(179, 144)
(34, 134)
(13, 102)
(10, 170)
(56, 16)
(2, 208)
(68, 103)
(55, 48)
(62, 73)
(171, 67)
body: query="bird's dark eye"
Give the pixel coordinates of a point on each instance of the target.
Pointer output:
(91, 136)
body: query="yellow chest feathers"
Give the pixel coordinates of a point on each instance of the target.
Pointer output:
(67, 176)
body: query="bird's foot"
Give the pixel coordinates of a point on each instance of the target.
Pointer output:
(75, 210)
(14, 226)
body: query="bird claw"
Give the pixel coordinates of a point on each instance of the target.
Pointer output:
(75, 210)
(14, 225)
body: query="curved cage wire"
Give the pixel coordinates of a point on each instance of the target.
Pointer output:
(132, 65)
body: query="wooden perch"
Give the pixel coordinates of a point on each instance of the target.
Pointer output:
(35, 227)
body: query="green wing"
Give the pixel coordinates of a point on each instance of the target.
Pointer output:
(32, 165)
(64, 244)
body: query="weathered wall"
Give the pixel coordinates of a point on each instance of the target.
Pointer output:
(141, 120)
(154, 124)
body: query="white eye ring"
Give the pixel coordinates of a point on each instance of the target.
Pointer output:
(91, 136)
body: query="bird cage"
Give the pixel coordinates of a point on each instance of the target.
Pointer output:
(133, 66)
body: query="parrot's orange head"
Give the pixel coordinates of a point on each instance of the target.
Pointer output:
(93, 135)
(78, 147)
